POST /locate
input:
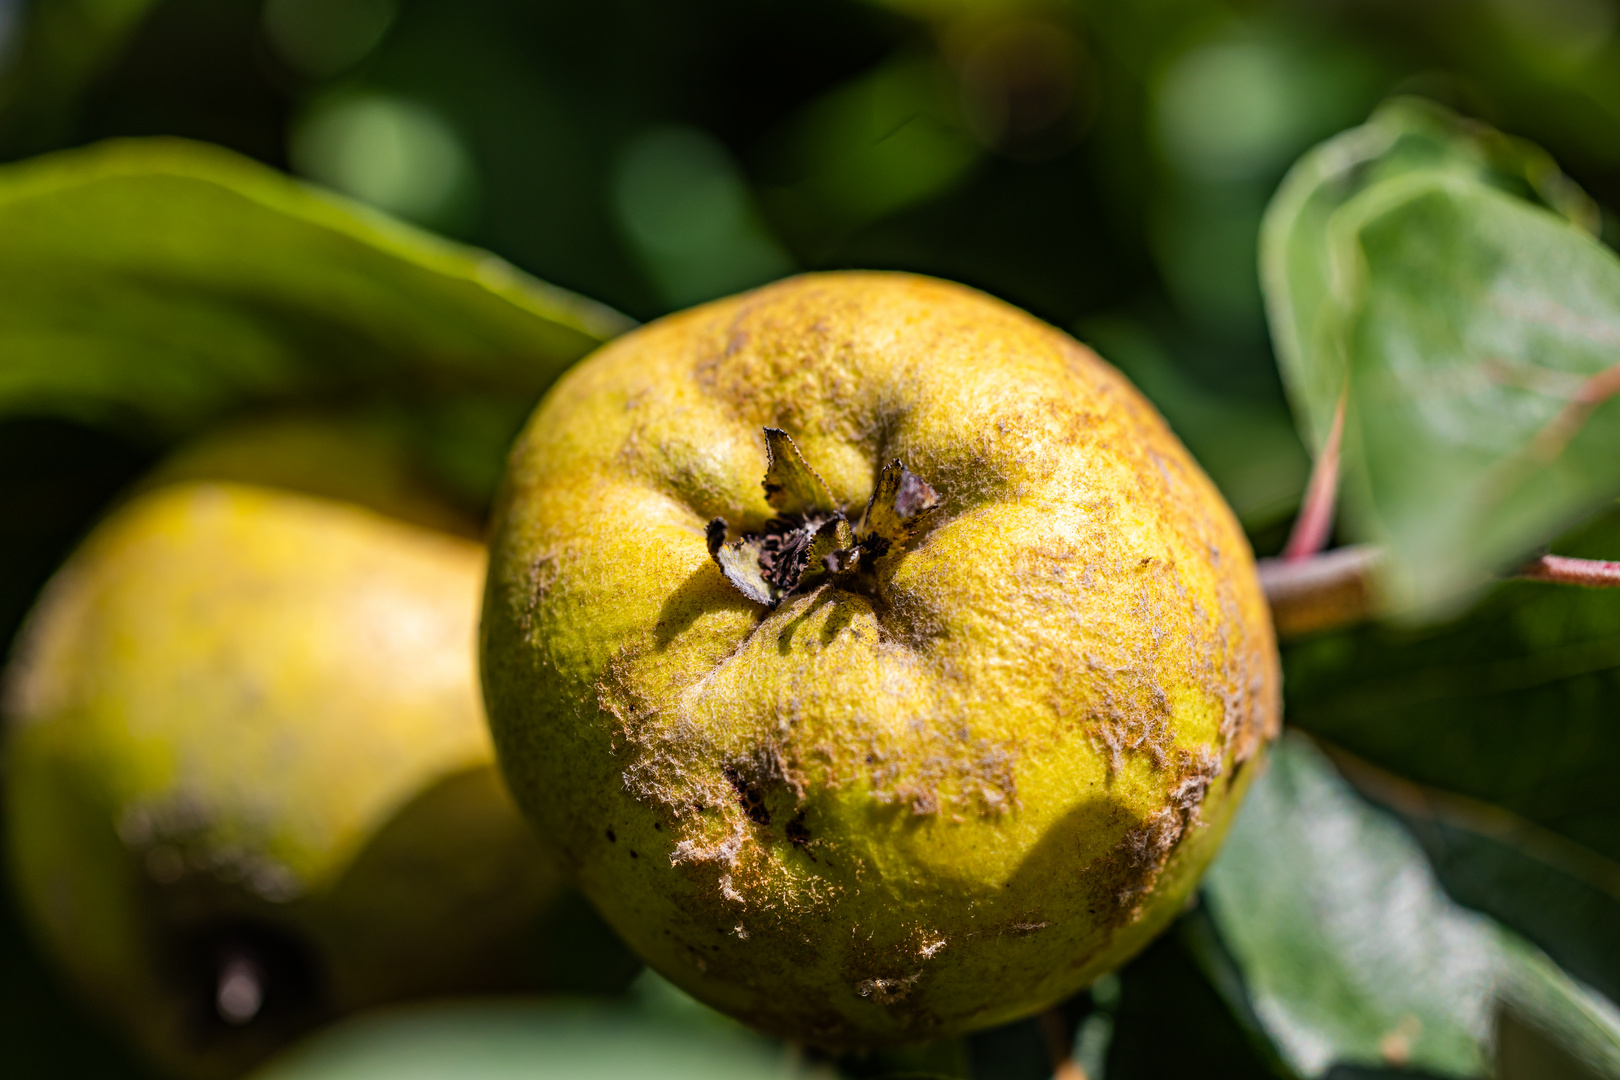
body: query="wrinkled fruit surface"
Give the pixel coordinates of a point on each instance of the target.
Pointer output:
(244, 729)
(925, 732)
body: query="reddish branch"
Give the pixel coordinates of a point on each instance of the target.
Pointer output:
(1315, 522)
(1335, 589)
(1561, 570)
(1311, 590)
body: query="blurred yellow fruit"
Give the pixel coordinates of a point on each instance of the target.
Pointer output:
(249, 783)
(972, 758)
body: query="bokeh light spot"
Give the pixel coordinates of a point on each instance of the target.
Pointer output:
(682, 203)
(395, 154)
(1230, 109)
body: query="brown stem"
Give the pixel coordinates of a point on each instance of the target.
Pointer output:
(1320, 592)
(1059, 1035)
(1314, 524)
(1336, 588)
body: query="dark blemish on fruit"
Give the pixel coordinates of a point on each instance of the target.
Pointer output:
(797, 834)
(611, 838)
(753, 802)
(633, 854)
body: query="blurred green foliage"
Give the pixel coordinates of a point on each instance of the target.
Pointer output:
(1105, 165)
(1436, 285)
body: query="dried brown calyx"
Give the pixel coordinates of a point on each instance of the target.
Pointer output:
(810, 539)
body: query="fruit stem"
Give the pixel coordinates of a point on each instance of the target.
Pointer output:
(1058, 1032)
(1323, 591)
(1334, 589)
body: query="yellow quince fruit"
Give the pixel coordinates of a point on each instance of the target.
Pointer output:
(931, 728)
(248, 780)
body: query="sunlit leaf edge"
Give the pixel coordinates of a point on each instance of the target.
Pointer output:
(247, 179)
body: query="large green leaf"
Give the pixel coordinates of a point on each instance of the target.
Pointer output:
(157, 284)
(1297, 263)
(1350, 953)
(1442, 281)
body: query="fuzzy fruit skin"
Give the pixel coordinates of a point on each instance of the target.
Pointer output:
(866, 818)
(242, 715)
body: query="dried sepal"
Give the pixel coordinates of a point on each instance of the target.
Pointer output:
(769, 565)
(897, 505)
(791, 485)
(831, 550)
(784, 549)
(740, 562)
(810, 539)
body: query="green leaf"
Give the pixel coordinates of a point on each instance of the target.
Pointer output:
(1350, 952)
(158, 284)
(1297, 263)
(1444, 281)
(530, 1040)
(1506, 717)
(1561, 895)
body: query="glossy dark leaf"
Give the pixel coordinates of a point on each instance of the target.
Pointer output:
(158, 284)
(1444, 281)
(1350, 953)
(1506, 719)
(1561, 895)
(1513, 704)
